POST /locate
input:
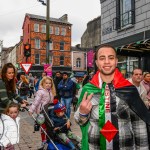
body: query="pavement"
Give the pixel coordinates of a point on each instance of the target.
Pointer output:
(30, 140)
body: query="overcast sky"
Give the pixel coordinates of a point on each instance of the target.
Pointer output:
(12, 13)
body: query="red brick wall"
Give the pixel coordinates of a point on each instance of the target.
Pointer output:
(31, 35)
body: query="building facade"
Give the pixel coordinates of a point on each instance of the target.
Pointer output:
(92, 35)
(6, 55)
(125, 24)
(34, 33)
(79, 62)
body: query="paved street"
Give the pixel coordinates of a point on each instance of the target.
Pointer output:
(30, 140)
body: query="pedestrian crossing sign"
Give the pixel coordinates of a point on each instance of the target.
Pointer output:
(26, 67)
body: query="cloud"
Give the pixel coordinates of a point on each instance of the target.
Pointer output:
(80, 12)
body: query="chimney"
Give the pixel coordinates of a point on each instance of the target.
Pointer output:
(64, 18)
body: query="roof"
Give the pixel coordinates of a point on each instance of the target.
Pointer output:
(78, 48)
(32, 16)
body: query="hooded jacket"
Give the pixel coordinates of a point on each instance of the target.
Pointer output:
(9, 130)
(42, 98)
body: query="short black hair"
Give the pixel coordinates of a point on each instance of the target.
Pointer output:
(102, 46)
(58, 72)
(65, 73)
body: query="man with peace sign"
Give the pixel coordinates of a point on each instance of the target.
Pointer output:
(110, 112)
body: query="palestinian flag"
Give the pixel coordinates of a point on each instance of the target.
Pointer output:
(108, 123)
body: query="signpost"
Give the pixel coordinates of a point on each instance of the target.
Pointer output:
(26, 67)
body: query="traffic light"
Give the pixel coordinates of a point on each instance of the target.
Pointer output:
(27, 50)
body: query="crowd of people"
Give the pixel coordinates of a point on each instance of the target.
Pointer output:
(108, 102)
(42, 90)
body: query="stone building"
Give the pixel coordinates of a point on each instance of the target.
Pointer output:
(125, 24)
(6, 55)
(92, 35)
(34, 33)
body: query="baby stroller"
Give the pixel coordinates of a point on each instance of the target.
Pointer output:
(47, 110)
(53, 141)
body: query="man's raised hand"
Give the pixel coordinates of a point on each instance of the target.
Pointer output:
(86, 105)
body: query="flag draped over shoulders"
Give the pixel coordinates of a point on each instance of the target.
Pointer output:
(124, 90)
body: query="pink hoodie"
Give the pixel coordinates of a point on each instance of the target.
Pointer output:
(42, 98)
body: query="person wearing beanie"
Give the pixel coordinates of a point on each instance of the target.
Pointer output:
(62, 125)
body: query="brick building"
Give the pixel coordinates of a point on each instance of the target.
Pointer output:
(34, 33)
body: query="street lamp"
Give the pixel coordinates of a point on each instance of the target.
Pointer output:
(47, 28)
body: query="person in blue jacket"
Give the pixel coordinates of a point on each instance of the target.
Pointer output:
(65, 88)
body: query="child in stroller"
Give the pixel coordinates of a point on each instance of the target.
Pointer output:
(61, 126)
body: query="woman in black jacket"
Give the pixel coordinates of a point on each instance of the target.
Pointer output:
(8, 87)
(23, 87)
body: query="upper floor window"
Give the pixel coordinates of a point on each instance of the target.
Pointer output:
(62, 44)
(51, 30)
(36, 27)
(50, 58)
(37, 43)
(63, 31)
(61, 60)
(37, 59)
(56, 30)
(43, 28)
(125, 13)
(51, 45)
(78, 62)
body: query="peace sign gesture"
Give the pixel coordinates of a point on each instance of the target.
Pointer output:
(86, 105)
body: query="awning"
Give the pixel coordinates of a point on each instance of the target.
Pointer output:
(79, 74)
(139, 48)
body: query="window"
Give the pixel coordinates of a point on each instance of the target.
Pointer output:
(28, 28)
(63, 31)
(62, 45)
(50, 58)
(56, 30)
(37, 43)
(125, 13)
(36, 27)
(78, 62)
(43, 28)
(51, 30)
(37, 59)
(61, 60)
(50, 45)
